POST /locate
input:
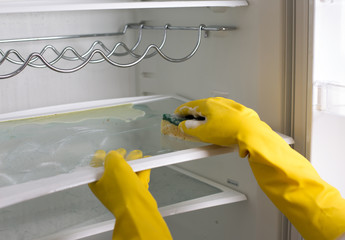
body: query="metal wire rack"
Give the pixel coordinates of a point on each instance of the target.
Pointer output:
(38, 59)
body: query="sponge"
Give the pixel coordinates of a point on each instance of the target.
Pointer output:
(169, 126)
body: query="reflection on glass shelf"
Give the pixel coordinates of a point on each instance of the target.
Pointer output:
(74, 209)
(41, 147)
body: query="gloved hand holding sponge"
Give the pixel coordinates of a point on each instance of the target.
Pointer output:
(314, 207)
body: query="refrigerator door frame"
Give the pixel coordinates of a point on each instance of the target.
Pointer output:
(302, 75)
(300, 24)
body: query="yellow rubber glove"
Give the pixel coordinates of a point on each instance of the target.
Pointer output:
(125, 194)
(314, 207)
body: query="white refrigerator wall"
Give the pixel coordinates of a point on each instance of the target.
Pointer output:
(35, 88)
(247, 65)
(327, 133)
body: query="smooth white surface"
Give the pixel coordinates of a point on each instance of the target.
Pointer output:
(36, 88)
(329, 42)
(327, 155)
(328, 132)
(39, 6)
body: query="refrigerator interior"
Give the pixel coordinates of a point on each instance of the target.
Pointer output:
(246, 64)
(328, 93)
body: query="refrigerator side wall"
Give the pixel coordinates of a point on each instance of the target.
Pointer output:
(247, 65)
(34, 88)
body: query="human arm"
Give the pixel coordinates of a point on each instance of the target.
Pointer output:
(125, 194)
(314, 207)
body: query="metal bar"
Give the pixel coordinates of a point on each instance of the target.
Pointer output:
(205, 28)
(131, 26)
(59, 37)
(105, 55)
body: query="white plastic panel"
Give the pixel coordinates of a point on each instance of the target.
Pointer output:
(76, 213)
(39, 6)
(36, 88)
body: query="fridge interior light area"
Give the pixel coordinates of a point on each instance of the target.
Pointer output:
(168, 53)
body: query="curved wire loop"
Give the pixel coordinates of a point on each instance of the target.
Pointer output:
(88, 57)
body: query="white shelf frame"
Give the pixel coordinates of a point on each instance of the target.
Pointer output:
(13, 194)
(21, 6)
(226, 196)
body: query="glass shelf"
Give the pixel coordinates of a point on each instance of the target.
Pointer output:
(44, 158)
(37, 147)
(76, 213)
(20, 6)
(47, 150)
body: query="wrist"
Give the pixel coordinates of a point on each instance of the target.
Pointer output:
(253, 134)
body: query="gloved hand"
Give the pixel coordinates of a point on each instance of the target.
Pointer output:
(224, 120)
(314, 207)
(125, 194)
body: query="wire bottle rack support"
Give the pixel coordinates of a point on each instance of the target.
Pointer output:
(102, 53)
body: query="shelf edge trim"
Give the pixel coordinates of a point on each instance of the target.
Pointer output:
(21, 7)
(14, 194)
